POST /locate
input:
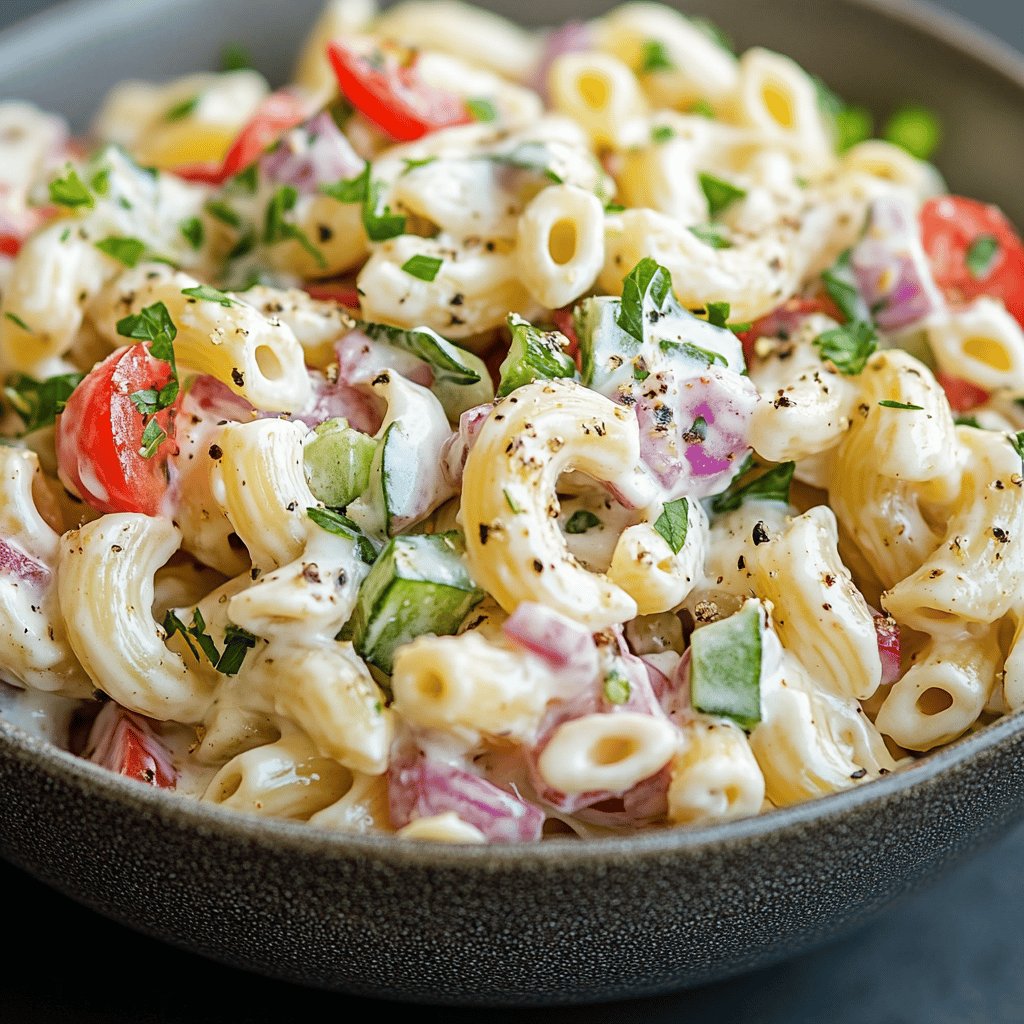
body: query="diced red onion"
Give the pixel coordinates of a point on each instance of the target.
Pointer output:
(314, 154)
(888, 635)
(667, 409)
(457, 447)
(891, 268)
(572, 37)
(566, 646)
(209, 397)
(419, 788)
(124, 742)
(360, 359)
(15, 562)
(332, 399)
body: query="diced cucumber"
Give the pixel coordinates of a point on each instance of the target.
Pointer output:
(725, 666)
(338, 462)
(461, 380)
(606, 350)
(418, 585)
(533, 355)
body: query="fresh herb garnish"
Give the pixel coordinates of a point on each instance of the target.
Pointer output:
(703, 108)
(237, 643)
(220, 210)
(355, 190)
(673, 522)
(687, 348)
(889, 404)
(181, 110)
(192, 231)
(719, 193)
(100, 181)
(613, 208)
(914, 128)
(423, 267)
(38, 402)
(152, 437)
(152, 324)
(410, 165)
(616, 688)
(205, 293)
(711, 234)
(481, 110)
(510, 501)
(849, 347)
(1017, 441)
(968, 421)
(662, 133)
(235, 57)
(580, 521)
(15, 319)
(648, 283)
(334, 522)
(655, 57)
(378, 220)
(277, 228)
(771, 485)
(980, 256)
(125, 250)
(71, 191)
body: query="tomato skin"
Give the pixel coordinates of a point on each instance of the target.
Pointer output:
(961, 394)
(125, 742)
(278, 113)
(329, 291)
(950, 225)
(394, 97)
(785, 320)
(9, 245)
(99, 435)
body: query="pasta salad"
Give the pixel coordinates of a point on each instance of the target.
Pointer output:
(497, 434)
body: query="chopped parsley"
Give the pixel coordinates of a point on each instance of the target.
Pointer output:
(914, 128)
(220, 210)
(616, 688)
(181, 110)
(378, 220)
(192, 231)
(703, 108)
(1017, 442)
(152, 437)
(235, 57)
(613, 208)
(580, 521)
(655, 58)
(205, 293)
(71, 191)
(38, 402)
(355, 190)
(237, 641)
(510, 501)
(482, 110)
(334, 522)
(853, 124)
(648, 283)
(277, 228)
(711, 234)
(15, 319)
(687, 348)
(980, 256)
(849, 347)
(673, 522)
(412, 164)
(719, 193)
(423, 267)
(662, 133)
(771, 485)
(125, 250)
(889, 404)
(968, 421)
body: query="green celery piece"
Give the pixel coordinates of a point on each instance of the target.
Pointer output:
(338, 462)
(418, 585)
(725, 667)
(606, 350)
(461, 380)
(533, 355)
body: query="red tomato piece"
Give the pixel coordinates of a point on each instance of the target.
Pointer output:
(333, 291)
(206, 173)
(126, 743)
(786, 320)
(391, 94)
(99, 435)
(951, 226)
(961, 394)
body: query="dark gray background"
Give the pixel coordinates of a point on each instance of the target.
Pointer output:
(952, 955)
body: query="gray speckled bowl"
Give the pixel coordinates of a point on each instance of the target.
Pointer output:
(564, 921)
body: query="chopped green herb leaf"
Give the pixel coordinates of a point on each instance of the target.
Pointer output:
(647, 283)
(172, 624)
(655, 58)
(613, 208)
(246, 180)
(1017, 441)
(968, 421)
(152, 324)
(673, 522)
(220, 210)
(510, 501)
(237, 643)
(853, 124)
(916, 129)
(528, 156)
(687, 348)
(100, 181)
(580, 521)
(378, 220)
(848, 347)
(533, 355)
(718, 313)
(205, 293)
(481, 110)
(152, 437)
(125, 250)
(698, 430)
(355, 190)
(38, 402)
(981, 255)
(772, 485)
(712, 234)
(334, 522)
(198, 631)
(841, 287)
(181, 110)
(719, 193)
(889, 404)
(410, 165)
(423, 267)
(703, 108)
(71, 191)
(662, 133)
(278, 229)
(192, 230)
(15, 319)
(235, 57)
(616, 688)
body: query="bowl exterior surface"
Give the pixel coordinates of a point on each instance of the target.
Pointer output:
(568, 922)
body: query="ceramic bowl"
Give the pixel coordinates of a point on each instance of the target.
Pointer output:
(563, 921)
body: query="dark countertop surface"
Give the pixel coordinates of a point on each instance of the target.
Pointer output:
(953, 954)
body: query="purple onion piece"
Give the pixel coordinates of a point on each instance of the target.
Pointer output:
(314, 154)
(421, 788)
(566, 646)
(15, 562)
(333, 399)
(572, 37)
(457, 447)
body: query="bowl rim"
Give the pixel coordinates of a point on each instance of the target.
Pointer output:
(33, 38)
